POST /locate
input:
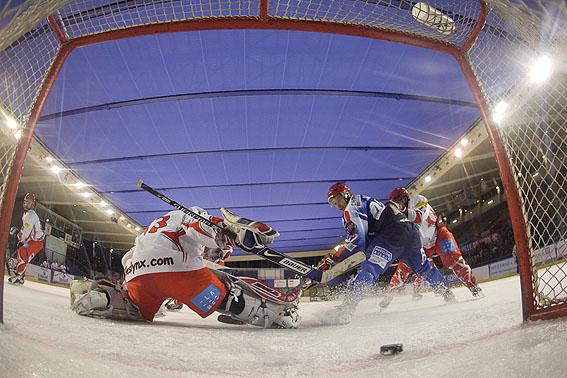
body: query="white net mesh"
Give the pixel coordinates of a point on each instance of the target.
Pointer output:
(531, 120)
(392, 15)
(532, 127)
(23, 67)
(91, 17)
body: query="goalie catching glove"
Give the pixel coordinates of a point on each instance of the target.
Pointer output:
(249, 234)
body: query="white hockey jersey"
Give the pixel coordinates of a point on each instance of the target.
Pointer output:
(174, 242)
(31, 227)
(421, 213)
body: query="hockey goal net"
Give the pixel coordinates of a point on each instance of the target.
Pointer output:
(494, 42)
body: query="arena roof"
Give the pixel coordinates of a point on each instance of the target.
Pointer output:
(261, 122)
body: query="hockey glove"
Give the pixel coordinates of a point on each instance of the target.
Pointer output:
(328, 261)
(249, 234)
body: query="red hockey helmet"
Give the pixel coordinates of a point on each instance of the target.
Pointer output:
(339, 188)
(31, 198)
(398, 194)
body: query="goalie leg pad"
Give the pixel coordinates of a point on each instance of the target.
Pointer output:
(94, 302)
(249, 234)
(80, 287)
(102, 300)
(243, 304)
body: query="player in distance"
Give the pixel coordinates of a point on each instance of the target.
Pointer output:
(167, 262)
(30, 239)
(385, 235)
(435, 238)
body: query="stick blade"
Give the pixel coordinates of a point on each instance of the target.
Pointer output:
(139, 183)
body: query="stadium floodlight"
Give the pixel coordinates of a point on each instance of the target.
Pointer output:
(137, 228)
(85, 194)
(109, 211)
(499, 112)
(427, 178)
(541, 69)
(12, 123)
(49, 159)
(56, 169)
(80, 185)
(458, 152)
(103, 204)
(18, 134)
(464, 142)
(129, 225)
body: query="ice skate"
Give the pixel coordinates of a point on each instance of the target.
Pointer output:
(446, 293)
(476, 291)
(385, 302)
(417, 296)
(173, 305)
(16, 280)
(449, 296)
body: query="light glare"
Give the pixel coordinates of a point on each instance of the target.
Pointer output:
(55, 169)
(427, 178)
(458, 152)
(12, 123)
(499, 112)
(541, 69)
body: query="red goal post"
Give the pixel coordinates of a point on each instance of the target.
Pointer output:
(494, 42)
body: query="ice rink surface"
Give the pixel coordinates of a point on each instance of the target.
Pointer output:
(41, 337)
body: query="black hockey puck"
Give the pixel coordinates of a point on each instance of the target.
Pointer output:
(389, 349)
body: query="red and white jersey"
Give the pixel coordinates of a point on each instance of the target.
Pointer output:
(421, 213)
(31, 227)
(174, 242)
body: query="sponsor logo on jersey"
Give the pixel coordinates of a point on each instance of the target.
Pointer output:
(380, 256)
(136, 265)
(26, 225)
(205, 300)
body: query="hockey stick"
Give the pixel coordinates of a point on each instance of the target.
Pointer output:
(339, 269)
(272, 255)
